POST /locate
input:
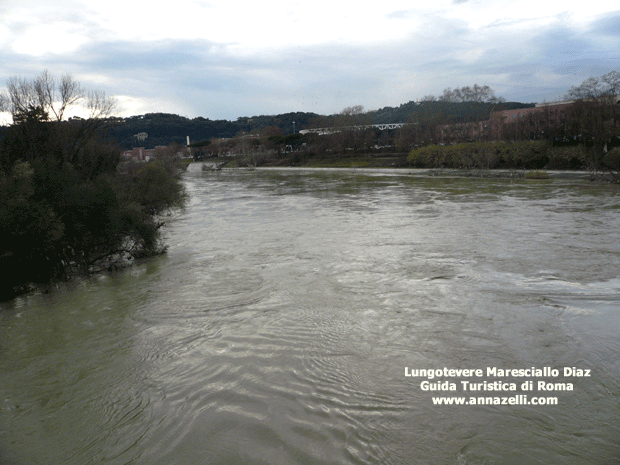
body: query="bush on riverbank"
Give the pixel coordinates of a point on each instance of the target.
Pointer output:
(54, 224)
(611, 162)
(499, 155)
(66, 205)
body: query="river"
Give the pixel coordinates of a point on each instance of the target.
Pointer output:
(280, 326)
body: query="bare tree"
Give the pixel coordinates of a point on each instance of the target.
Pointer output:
(475, 93)
(354, 110)
(46, 97)
(428, 98)
(590, 88)
(612, 80)
(594, 87)
(449, 95)
(99, 105)
(4, 102)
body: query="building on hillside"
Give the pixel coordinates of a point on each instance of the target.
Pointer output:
(138, 154)
(533, 123)
(141, 153)
(550, 119)
(464, 132)
(510, 115)
(528, 122)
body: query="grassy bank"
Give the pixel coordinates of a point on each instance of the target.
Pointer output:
(524, 159)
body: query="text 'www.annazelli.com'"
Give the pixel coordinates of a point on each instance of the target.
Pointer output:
(507, 400)
(522, 383)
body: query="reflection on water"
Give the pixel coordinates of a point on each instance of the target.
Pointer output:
(278, 327)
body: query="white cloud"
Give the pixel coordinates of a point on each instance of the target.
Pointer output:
(243, 26)
(214, 58)
(43, 39)
(5, 118)
(128, 105)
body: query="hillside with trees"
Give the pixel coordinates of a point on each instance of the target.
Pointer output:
(165, 128)
(466, 104)
(470, 103)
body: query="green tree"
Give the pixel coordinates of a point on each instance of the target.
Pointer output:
(65, 207)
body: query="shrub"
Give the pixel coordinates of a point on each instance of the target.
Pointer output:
(482, 155)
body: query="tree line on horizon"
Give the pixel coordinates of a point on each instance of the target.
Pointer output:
(469, 103)
(165, 128)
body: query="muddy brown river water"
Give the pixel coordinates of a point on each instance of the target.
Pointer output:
(287, 320)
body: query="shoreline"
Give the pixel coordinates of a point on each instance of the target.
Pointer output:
(540, 174)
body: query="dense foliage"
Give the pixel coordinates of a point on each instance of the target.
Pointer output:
(68, 207)
(499, 155)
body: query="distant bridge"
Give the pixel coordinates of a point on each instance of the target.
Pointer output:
(333, 130)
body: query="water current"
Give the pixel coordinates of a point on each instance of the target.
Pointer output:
(280, 326)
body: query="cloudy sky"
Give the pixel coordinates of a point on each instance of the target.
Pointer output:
(222, 59)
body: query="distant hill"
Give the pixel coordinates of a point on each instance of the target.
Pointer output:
(165, 128)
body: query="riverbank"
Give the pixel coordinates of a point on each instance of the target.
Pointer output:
(508, 174)
(356, 164)
(521, 159)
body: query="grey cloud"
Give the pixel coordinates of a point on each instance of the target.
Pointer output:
(209, 81)
(165, 55)
(608, 26)
(579, 55)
